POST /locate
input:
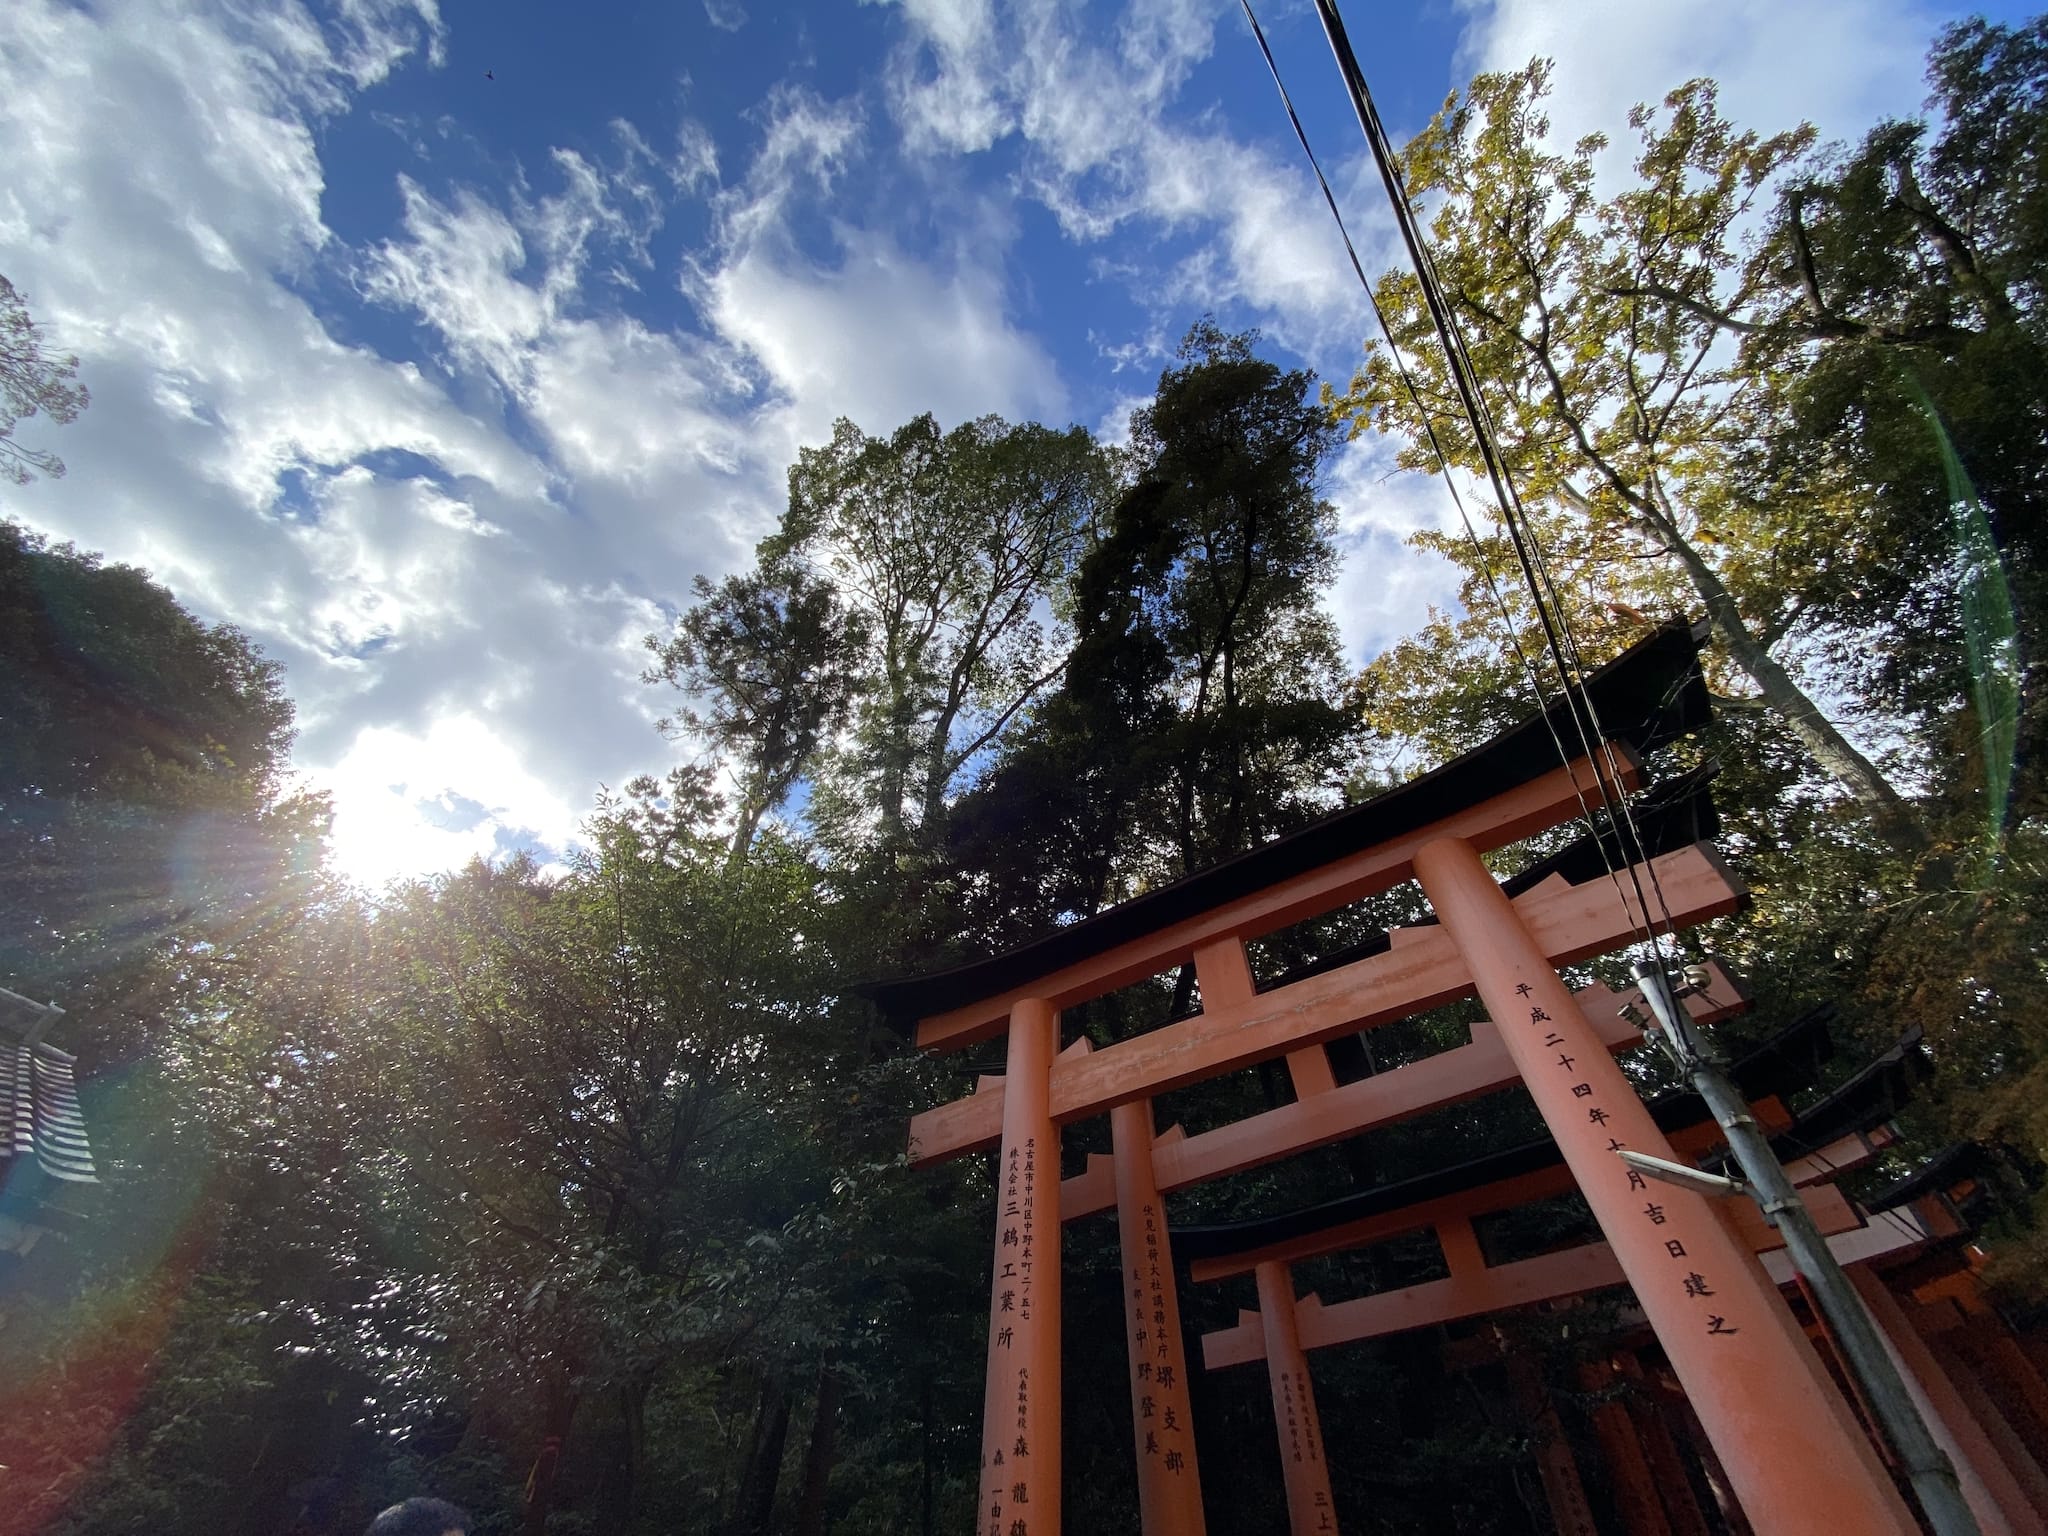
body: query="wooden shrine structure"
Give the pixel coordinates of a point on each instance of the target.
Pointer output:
(1908, 1244)
(1794, 1456)
(45, 1154)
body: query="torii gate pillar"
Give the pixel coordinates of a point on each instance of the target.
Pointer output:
(1294, 1407)
(1020, 1435)
(1162, 1418)
(1799, 1464)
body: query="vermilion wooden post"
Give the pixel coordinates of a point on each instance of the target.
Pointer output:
(1995, 1495)
(1660, 1449)
(1797, 1460)
(1555, 1465)
(1628, 1469)
(1309, 1511)
(1162, 1419)
(1020, 1436)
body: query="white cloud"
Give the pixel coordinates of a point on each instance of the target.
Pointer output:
(694, 166)
(453, 616)
(1386, 588)
(726, 15)
(457, 269)
(873, 331)
(1838, 64)
(455, 564)
(1108, 145)
(881, 337)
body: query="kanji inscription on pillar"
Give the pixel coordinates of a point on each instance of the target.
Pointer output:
(1019, 1458)
(1162, 1418)
(1706, 1297)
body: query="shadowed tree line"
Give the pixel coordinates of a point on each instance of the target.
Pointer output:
(575, 1194)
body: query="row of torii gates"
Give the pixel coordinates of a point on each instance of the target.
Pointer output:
(1793, 1453)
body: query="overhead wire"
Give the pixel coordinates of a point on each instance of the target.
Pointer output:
(1427, 418)
(1561, 642)
(1931, 1474)
(1549, 609)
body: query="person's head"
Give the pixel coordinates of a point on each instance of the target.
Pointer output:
(421, 1517)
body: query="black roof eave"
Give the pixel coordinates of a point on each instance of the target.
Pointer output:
(1650, 694)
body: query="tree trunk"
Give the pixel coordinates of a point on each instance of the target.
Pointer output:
(819, 1457)
(540, 1482)
(1834, 752)
(924, 1478)
(633, 1464)
(756, 1509)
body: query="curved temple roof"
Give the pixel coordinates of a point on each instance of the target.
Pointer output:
(1646, 696)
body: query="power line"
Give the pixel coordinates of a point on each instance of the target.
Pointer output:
(1549, 611)
(1427, 418)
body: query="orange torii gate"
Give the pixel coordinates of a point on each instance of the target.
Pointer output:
(1797, 1459)
(1998, 1463)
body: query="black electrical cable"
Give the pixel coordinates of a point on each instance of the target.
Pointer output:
(1485, 434)
(1427, 418)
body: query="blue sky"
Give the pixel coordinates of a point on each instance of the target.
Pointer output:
(440, 346)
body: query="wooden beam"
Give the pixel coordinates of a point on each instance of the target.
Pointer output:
(1449, 1077)
(1531, 808)
(1502, 1195)
(1421, 970)
(1838, 1157)
(1892, 1234)
(1468, 1293)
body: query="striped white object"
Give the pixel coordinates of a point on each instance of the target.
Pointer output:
(39, 1115)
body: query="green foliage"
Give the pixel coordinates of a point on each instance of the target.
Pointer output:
(949, 550)
(33, 380)
(143, 798)
(1599, 330)
(578, 1194)
(1201, 710)
(771, 655)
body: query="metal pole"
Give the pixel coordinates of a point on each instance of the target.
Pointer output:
(1932, 1475)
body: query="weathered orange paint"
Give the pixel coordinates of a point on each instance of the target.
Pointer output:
(1469, 1292)
(1421, 970)
(1990, 1487)
(1162, 1418)
(1628, 1469)
(1225, 974)
(1555, 1465)
(1840, 1156)
(1798, 1462)
(1309, 1508)
(2012, 1449)
(1660, 1450)
(1557, 796)
(1502, 1195)
(1386, 1098)
(1020, 1436)
(1996, 1357)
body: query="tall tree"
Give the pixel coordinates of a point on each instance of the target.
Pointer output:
(1871, 375)
(767, 660)
(1620, 408)
(1914, 272)
(1201, 709)
(1234, 551)
(950, 550)
(33, 380)
(144, 798)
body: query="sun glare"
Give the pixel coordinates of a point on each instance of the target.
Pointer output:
(399, 815)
